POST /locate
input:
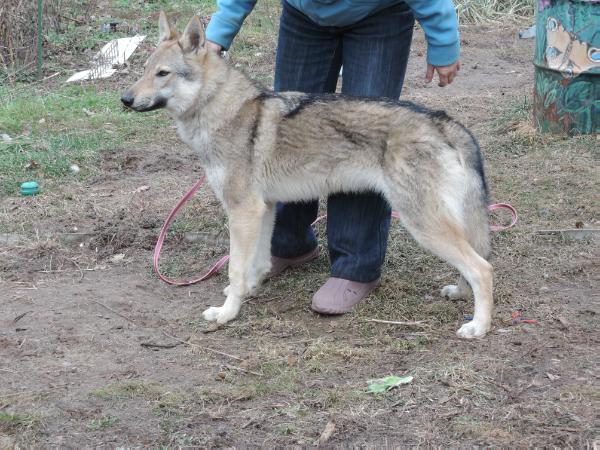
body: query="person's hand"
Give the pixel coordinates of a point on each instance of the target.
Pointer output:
(446, 74)
(214, 47)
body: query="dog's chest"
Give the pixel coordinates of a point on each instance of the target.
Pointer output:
(216, 178)
(197, 138)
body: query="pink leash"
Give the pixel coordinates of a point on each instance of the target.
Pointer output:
(221, 262)
(161, 239)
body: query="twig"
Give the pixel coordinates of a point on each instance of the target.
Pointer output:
(247, 424)
(93, 269)
(78, 267)
(80, 22)
(50, 76)
(261, 301)
(20, 316)
(116, 312)
(211, 350)
(153, 345)
(417, 323)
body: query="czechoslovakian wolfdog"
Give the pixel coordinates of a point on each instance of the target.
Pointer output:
(258, 147)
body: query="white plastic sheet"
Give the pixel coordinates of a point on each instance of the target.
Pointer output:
(114, 52)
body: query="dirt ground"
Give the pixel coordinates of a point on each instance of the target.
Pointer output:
(95, 350)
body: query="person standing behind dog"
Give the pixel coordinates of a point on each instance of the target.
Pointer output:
(371, 40)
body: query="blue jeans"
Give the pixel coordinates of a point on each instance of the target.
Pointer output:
(374, 53)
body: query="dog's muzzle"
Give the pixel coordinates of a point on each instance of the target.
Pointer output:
(127, 99)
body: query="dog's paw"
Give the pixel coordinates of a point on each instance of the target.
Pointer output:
(219, 314)
(226, 291)
(453, 292)
(472, 330)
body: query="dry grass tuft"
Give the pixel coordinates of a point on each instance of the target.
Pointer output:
(495, 11)
(17, 34)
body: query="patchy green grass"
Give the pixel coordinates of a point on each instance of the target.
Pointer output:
(16, 423)
(161, 401)
(51, 130)
(102, 423)
(128, 390)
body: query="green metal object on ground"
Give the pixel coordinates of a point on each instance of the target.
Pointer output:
(567, 66)
(30, 188)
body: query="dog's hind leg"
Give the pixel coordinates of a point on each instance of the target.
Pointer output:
(478, 235)
(449, 241)
(245, 226)
(461, 290)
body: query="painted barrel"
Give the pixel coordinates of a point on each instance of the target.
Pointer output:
(567, 66)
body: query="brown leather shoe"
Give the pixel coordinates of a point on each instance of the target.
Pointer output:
(338, 296)
(278, 265)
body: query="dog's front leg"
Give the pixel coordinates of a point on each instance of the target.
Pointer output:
(261, 264)
(245, 224)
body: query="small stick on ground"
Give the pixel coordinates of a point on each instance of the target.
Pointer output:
(153, 345)
(116, 312)
(208, 349)
(416, 323)
(20, 316)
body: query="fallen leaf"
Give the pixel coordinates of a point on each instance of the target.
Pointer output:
(327, 433)
(565, 324)
(32, 165)
(552, 377)
(444, 399)
(244, 364)
(388, 383)
(212, 327)
(118, 257)
(141, 189)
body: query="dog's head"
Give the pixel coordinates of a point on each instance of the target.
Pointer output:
(173, 75)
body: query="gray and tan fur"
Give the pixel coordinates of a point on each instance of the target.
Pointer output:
(258, 147)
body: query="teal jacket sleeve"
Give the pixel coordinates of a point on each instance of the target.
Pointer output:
(440, 25)
(227, 21)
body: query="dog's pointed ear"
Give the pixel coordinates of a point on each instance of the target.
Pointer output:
(193, 36)
(164, 29)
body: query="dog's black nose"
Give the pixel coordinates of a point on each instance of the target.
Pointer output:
(127, 99)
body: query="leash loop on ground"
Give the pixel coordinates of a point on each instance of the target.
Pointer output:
(221, 262)
(161, 239)
(513, 213)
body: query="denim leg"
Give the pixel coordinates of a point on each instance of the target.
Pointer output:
(308, 60)
(375, 56)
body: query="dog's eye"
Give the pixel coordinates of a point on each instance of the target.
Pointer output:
(163, 73)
